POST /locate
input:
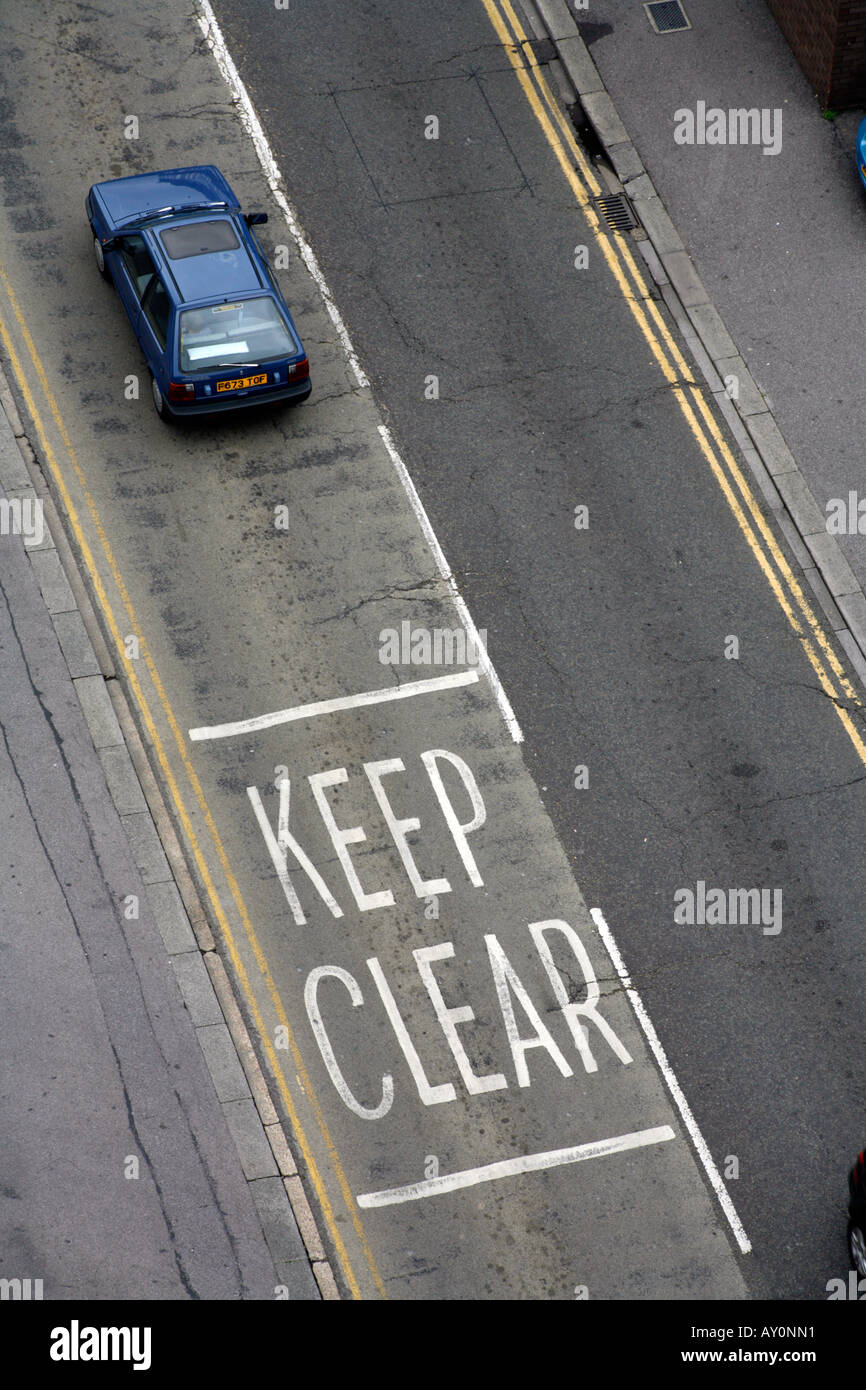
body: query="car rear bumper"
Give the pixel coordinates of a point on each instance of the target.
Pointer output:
(298, 391)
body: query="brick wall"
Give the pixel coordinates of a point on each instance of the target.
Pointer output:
(828, 38)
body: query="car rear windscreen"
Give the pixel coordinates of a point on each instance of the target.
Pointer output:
(198, 239)
(218, 335)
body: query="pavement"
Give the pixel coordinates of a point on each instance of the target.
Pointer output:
(134, 1164)
(776, 240)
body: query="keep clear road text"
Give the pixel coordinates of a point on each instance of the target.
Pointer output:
(466, 1036)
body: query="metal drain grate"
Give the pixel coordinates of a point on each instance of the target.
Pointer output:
(667, 16)
(617, 209)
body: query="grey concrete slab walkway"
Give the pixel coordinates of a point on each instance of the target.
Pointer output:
(119, 1177)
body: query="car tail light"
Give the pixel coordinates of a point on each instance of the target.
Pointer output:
(181, 392)
(299, 369)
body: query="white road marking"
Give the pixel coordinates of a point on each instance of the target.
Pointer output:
(673, 1085)
(252, 125)
(342, 702)
(465, 616)
(510, 1167)
(250, 121)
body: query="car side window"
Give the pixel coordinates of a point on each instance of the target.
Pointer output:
(156, 307)
(138, 262)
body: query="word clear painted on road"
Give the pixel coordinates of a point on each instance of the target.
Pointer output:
(523, 1025)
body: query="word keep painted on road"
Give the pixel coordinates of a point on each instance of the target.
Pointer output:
(584, 1027)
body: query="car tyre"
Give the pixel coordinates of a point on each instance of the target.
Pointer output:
(158, 399)
(857, 1247)
(100, 259)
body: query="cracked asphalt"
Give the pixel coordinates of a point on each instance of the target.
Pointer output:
(454, 259)
(609, 641)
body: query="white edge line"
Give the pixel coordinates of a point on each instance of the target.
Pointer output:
(251, 123)
(511, 1167)
(340, 702)
(463, 612)
(673, 1085)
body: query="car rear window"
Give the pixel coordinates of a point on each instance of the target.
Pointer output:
(199, 239)
(248, 330)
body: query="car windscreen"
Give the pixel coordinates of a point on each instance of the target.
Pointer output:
(198, 239)
(249, 330)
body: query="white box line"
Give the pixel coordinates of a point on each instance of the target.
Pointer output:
(673, 1085)
(341, 702)
(511, 1167)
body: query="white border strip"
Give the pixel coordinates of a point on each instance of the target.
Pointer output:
(511, 1167)
(365, 697)
(673, 1085)
(253, 127)
(216, 43)
(463, 613)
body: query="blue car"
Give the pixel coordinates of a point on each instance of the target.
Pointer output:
(205, 306)
(861, 151)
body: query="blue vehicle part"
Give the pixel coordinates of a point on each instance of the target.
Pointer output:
(184, 260)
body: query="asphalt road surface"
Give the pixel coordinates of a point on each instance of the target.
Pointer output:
(423, 1038)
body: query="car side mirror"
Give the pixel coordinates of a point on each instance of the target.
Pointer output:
(111, 244)
(255, 219)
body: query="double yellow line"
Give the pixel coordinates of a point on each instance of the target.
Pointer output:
(619, 258)
(135, 684)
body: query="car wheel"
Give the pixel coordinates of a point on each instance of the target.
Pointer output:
(857, 1247)
(158, 399)
(100, 258)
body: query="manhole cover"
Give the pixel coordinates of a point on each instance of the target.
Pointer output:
(617, 209)
(667, 16)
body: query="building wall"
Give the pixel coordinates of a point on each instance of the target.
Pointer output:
(828, 38)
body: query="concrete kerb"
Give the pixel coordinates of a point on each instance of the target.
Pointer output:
(288, 1222)
(748, 415)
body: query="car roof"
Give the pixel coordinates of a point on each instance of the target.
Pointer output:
(208, 275)
(139, 194)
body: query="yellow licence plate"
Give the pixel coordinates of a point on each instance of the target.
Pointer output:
(242, 382)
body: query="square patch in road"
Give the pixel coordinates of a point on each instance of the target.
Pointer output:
(422, 140)
(667, 16)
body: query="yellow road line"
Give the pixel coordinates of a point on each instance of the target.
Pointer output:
(183, 815)
(552, 104)
(683, 370)
(619, 257)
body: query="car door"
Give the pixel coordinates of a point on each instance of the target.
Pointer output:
(134, 269)
(153, 329)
